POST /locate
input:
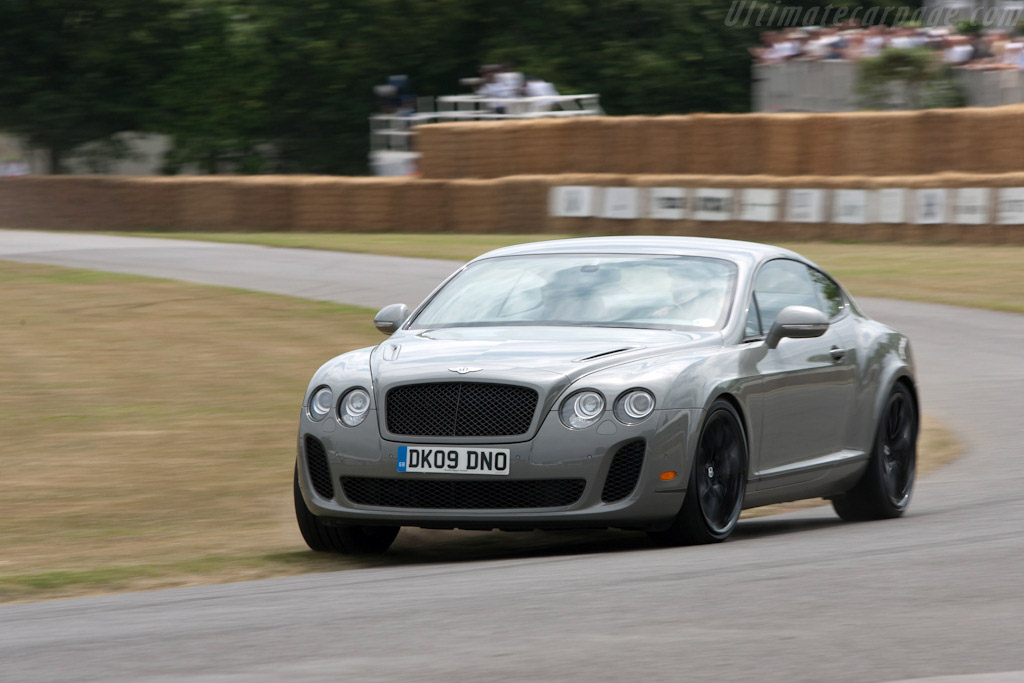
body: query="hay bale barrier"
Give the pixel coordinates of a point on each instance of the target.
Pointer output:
(974, 140)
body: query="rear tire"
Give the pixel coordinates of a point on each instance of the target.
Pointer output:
(884, 490)
(718, 481)
(348, 540)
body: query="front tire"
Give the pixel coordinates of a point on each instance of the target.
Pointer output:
(884, 490)
(347, 540)
(718, 481)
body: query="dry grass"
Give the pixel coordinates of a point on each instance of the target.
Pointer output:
(150, 425)
(147, 437)
(968, 275)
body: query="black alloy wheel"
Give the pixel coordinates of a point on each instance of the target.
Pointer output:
(330, 538)
(718, 481)
(884, 491)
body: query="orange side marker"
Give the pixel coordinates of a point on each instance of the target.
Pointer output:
(667, 476)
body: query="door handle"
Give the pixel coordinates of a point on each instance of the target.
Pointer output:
(837, 353)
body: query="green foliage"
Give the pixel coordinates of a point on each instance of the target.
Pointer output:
(969, 27)
(271, 86)
(907, 79)
(75, 72)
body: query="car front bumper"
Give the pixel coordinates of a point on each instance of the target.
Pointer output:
(553, 453)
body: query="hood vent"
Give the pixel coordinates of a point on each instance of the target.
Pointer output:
(603, 354)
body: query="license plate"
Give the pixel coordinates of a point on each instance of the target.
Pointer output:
(472, 460)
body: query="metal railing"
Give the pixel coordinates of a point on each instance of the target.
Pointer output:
(392, 148)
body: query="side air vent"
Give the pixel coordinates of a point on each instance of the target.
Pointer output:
(624, 471)
(319, 471)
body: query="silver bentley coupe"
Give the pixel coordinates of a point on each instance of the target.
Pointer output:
(661, 384)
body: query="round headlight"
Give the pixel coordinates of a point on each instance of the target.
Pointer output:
(634, 406)
(353, 407)
(582, 409)
(320, 403)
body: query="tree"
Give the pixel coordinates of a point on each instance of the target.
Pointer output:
(907, 79)
(77, 72)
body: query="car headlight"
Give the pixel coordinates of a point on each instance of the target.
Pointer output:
(320, 403)
(634, 406)
(353, 407)
(582, 409)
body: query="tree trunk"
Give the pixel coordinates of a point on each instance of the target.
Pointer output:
(56, 157)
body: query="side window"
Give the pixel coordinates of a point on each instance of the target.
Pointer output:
(782, 283)
(829, 293)
(753, 320)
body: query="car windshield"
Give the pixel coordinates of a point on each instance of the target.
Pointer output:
(663, 292)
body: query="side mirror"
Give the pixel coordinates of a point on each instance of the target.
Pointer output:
(390, 318)
(800, 322)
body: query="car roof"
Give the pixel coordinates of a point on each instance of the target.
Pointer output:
(683, 246)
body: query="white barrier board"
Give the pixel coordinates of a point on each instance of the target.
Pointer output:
(666, 203)
(572, 201)
(712, 204)
(850, 206)
(930, 206)
(970, 206)
(760, 205)
(620, 203)
(1010, 206)
(892, 202)
(804, 205)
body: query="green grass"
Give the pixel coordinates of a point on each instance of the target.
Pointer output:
(963, 275)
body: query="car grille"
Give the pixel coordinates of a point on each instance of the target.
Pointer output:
(624, 471)
(319, 471)
(463, 495)
(460, 409)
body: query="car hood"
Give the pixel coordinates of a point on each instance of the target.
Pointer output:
(534, 355)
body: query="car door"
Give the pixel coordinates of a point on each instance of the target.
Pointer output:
(807, 386)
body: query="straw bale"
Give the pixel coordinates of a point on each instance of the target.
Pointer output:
(475, 205)
(263, 202)
(437, 146)
(422, 206)
(321, 204)
(860, 147)
(748, 144)
(708, 134)
(584, 144)
(372, 204)
(623, 137)
(999, 147)
(786, 143)
(207, 203)
(658, 145)
(30, 202)
(944, 139)
(148, 203)
(535, 146)
(825, 139)
(523, 202)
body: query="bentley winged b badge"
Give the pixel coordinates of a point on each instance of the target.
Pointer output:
(464, 369)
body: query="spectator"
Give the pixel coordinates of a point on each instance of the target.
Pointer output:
(538, 87)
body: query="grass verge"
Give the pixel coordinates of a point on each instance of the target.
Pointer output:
(147, 437)
(962, 275)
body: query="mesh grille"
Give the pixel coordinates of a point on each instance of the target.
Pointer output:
(624, 471)
(319, 472)
(463, 495)
(460, 409)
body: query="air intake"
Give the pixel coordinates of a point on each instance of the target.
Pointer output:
(319, 471)
(624, 471)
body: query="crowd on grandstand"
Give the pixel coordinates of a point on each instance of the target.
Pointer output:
(994, 49)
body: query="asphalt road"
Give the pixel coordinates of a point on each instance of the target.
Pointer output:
(937, 596)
